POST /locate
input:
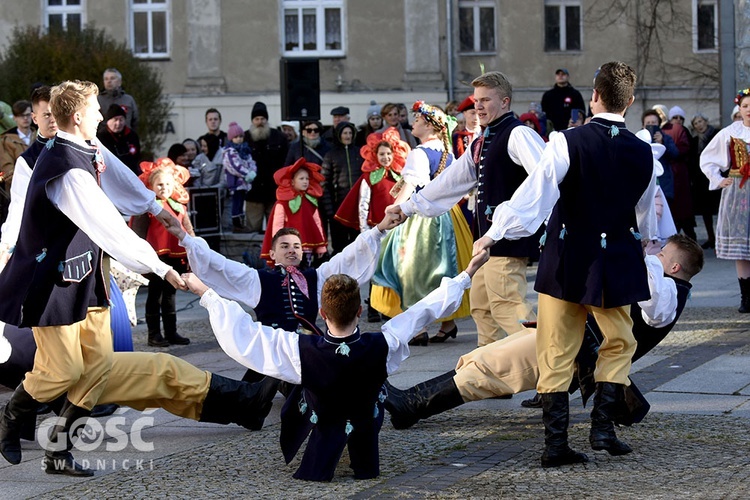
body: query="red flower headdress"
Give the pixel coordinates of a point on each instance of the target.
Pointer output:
(369, 151)
(181, 176)
(284, 176)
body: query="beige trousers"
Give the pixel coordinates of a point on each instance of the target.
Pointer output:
(507, 366)
(560, 333)
(143, 380)
(72, 358)
(498, 299)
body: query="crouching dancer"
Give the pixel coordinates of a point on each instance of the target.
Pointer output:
(143, 380)
(509, 366)
(340, 375)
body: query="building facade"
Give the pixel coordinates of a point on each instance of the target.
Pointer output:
(226, 53)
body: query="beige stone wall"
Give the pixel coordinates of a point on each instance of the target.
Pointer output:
(396, 51)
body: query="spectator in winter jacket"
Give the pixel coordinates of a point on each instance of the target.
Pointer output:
(342, 167)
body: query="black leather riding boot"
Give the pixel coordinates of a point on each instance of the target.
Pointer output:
(609, 402)
(18, 414)
(234, 401)
(422, 401)
(57, 458)
(555, 415)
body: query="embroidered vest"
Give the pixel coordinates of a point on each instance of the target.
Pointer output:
(498, 177)
(339, 402)
(285, 306)
(592, 253)
(56, 272)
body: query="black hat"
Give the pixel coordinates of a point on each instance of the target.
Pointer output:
(259, 109)
(562, 70)
(340, 110)
(114, 110)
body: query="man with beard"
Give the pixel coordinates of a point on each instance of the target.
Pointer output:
(269, 148)
(120, 139)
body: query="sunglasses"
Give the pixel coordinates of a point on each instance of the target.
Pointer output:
(312, 130)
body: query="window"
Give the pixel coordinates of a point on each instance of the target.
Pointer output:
(562, 25)
(64, 14)
(313, 28)
(476, 26)
(149, 28)
(705, 25)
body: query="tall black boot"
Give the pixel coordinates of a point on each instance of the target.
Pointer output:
(234, 401)
(18, 412)
(170, 330)
(422, 401)
(745, 292)
(555, 417)
(609, 401)
(57, 458)
(154, 331)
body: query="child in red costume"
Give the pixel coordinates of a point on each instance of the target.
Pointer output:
(297, 206)
(166, 180)
(385, 156)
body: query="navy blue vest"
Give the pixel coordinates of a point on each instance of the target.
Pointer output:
(498, 177)
(597, 259)
(32, 152)
(56, 272)
(286, 307)
(648, 336)
(339, 403)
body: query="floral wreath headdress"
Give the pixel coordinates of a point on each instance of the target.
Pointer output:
(435, 116)
(438, 119)
(741, 94)
(181, 176)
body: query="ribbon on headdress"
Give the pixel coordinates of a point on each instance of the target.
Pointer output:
(181, 176)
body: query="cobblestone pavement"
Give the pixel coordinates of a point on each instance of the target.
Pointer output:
(693, 444)
(475, 454)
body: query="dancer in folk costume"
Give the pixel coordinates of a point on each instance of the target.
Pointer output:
(384, 157)
(439, 246)
(297, 206)
(728, 153)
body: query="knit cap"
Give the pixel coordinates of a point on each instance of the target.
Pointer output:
(234, 130)
(374, 109)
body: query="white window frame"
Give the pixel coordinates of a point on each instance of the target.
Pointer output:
(319, 6)
(65, 10)
(715, 4)
(475, 5)
(561, 4)
(150, 8)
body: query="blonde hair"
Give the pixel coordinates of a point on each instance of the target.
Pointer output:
(70, 97)
(160, 172)
(495, 80)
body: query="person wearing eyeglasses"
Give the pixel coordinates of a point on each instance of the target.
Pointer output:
(12, 144)
(311, 146)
